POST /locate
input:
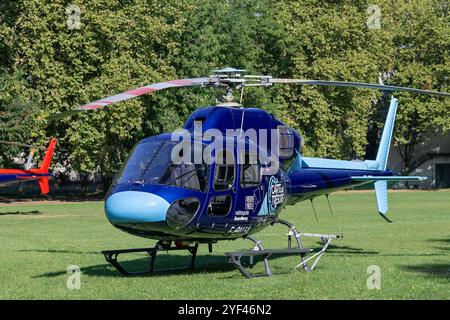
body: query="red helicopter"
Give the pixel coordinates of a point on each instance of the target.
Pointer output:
(41, 175)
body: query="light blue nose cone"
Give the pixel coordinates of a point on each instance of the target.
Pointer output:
(135, 206)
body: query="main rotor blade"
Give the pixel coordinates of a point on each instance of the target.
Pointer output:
(127, 95)
(356, 85)
(218, 80)
(143, 90)
(16, 144)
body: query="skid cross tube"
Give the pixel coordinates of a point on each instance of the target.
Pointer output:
(258, 250)
(111, 256)
(235, 259)
(259, 247)
(326, 240)
(294, 233)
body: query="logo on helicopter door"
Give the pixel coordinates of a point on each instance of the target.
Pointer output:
(276, 194)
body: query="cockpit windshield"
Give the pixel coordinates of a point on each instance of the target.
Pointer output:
(151, 163)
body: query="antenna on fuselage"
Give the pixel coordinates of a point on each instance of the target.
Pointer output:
(329, 204)
(242, 94)
(314, 209)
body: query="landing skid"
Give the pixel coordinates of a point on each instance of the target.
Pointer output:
(112, 255)
(235, 258)
(258, 250)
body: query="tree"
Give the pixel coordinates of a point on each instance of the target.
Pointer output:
(331, 41)
(50, 66)
(422, 46)
(20, 120)
(120, 45)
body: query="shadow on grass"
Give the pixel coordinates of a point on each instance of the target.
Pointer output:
(340, 250)
(33, 198)
(58, 251)
(21, 213)
(203, 264)
(437, 270)
(445, 242)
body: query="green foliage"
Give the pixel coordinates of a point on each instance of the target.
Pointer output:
(20, 119)
(422, 45)
(48, 67)
(331, 41)
(121, 44)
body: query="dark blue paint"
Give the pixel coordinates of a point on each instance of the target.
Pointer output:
(300, 183)
(6, 179)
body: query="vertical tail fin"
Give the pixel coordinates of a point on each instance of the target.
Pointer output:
(44, 185)
(386, 137)
(381, 190)
(45, 165)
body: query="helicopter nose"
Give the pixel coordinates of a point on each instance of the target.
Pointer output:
(136, 206)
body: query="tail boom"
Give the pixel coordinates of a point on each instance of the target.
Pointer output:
(315, 176)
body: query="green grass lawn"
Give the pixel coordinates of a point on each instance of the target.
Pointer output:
(39, 241)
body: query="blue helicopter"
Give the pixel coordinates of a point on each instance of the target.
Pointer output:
(230, 172)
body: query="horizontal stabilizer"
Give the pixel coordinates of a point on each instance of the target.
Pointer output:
(389, 178)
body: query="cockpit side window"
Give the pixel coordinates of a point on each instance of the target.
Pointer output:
(219, 206)
(224, 171)
(186, 175)
(151, 163)
(147, 162)
(286, 142)
(250, 170)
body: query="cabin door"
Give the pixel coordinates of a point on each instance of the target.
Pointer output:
(250, 192)
(222, 193)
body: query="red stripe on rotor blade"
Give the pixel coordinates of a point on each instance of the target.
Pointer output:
(104, 101)
(90, 107)
(180, 82)
(140, 91)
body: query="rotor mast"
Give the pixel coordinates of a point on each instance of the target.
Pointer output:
(228, 79)
(232, 79)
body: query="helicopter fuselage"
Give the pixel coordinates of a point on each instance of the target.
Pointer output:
(212, 199)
